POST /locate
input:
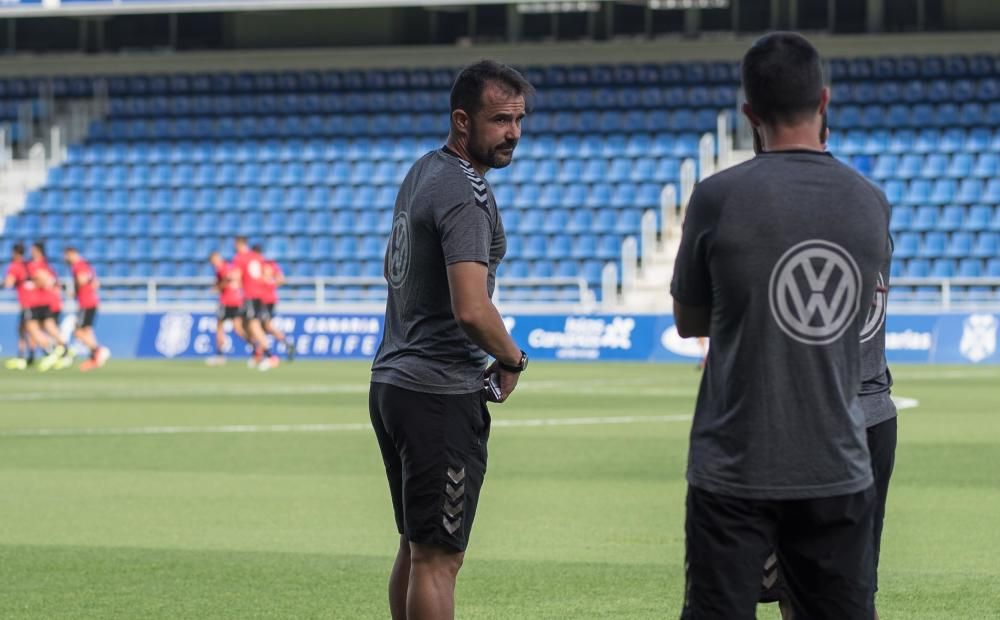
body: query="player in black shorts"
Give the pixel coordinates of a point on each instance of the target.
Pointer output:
(777, 259)
(880, 420)
(427, 399)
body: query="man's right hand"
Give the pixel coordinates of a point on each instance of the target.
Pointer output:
(507, 380)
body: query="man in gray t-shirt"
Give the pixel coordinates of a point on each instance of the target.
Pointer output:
(430, 380)
(778, 265)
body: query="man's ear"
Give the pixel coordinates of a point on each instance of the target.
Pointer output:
(824, 100)
(460, 121)
(751, 116)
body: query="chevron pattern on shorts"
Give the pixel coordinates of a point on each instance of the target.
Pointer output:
(454, 503)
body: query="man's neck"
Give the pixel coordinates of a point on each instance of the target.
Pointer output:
(799, 138)
(461, 150)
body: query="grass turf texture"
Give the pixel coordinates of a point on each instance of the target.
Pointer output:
(575, 521)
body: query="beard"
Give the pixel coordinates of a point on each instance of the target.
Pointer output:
(494, 156)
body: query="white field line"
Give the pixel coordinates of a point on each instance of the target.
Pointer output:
(56, 392)
(317, 428)
(905, 403)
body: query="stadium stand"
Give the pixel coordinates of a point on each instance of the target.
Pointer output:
(309, 162)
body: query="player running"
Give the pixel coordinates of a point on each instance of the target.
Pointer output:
(16, 277)
(49, 310)
(228, 284)
(85, 286)
(251, 267)
(274, 277)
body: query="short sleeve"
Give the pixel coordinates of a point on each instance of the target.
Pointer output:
(466, 231)
(692, 281)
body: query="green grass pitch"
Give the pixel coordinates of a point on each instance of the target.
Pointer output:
(123, 511)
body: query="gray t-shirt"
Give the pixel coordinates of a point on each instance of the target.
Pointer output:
(784, 249)
(876, 380)
(445, 214)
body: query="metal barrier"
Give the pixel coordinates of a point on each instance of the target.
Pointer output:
(132, 293)
(946, 293)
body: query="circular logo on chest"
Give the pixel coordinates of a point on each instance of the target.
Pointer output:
(814, 291)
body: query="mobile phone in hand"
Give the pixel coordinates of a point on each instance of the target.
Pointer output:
(492, 386)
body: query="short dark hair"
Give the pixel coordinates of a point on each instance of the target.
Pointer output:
(782, 77)
(467, 91)
(258, 248)
(18, 248)
(69, 248)
(241, 239)
(40, 246)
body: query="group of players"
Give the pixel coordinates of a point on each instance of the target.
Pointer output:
(248, 296)
(40, 297)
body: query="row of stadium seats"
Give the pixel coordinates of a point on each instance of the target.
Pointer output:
(284, 127)
(921, 115)
(946, 268)
(905, 141)
(532, 146)
(699, 73)
(943, 191)
(954, 245)
(618, 170)
(405, 102)
(313, 224)
(845, 95)
(932, 166)
(369, 197)
(948, 218)
(606, 245)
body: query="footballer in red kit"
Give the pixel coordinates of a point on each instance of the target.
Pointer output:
(85, 286)
(251, 267)
(16, 277)
(274, 277)
(228, 283)
(58, 355)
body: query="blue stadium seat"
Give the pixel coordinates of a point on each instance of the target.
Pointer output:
(960, 245)
(987, 245)
(951, 218)
(609, 247)
(907, 245)
(918, 268)
(933, 245)
(943, 268)
(970, 268)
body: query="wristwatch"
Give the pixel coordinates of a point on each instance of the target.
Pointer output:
(521, 365)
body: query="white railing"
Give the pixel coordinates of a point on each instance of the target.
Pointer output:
(944, 296)
(143, 294)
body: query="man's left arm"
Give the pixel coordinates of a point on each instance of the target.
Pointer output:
(691, 286)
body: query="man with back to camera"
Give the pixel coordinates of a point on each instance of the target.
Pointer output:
(880, 422)
(427, 399)
(778, 264)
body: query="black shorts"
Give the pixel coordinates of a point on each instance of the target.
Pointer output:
(86, 317)
(255, 309)
(37, 313)
(228, 313)
(434, 450)
(823, 544)
(55, 315)
(882, 446)
(270, 309)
